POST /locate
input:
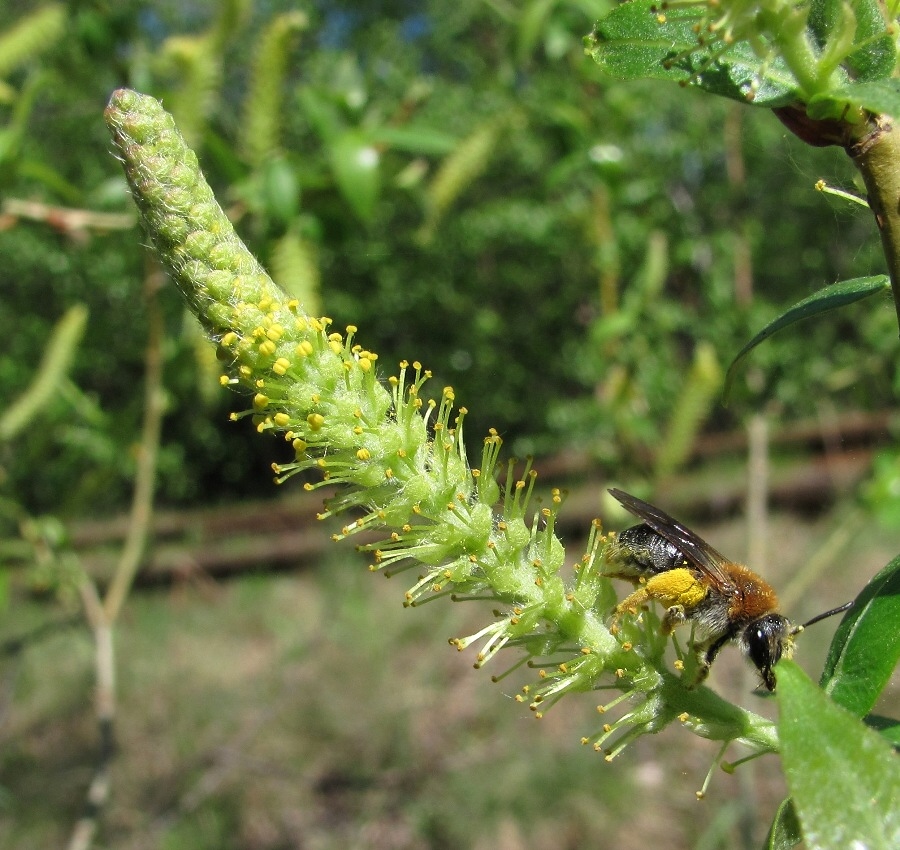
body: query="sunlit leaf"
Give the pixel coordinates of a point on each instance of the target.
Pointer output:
(354, 162)
(636, 41)
(280, 190)
(829, 298)
(844, 779)
(866, 646)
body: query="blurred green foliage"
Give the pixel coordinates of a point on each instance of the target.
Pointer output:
(458, 180)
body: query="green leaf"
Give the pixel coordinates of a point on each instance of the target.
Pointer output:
(829, 298)
(320, 112)
(280, 191)
(876, 54)
(354, 163)
(866, 646)
(532, 24)
(413, 139)
(844, 780)
(887, 727)
(785, 830)
(880, 96)
(636, 41)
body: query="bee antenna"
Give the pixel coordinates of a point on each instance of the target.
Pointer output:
(831, 613)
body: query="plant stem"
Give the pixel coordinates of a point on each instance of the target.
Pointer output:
(145, 477)
(877, 156)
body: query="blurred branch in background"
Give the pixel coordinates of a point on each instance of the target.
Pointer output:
(103, 612)
(72, 222)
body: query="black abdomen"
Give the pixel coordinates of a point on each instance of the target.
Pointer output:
(641, 551)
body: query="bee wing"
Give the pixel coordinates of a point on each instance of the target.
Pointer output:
(695, 549)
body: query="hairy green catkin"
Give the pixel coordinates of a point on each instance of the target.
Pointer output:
(402, 461)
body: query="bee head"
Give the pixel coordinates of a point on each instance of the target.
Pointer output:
(764, 641)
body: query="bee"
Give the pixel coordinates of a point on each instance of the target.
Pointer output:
(696, 584)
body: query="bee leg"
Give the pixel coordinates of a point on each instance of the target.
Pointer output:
(632, 603)
(703, 666)
(673, 618)
(705, 657)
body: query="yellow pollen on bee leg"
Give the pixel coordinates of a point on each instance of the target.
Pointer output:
(674, 587)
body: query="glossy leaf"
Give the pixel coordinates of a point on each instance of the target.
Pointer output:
(635, 41)
(866, 646)
(785, 830)
(829, 298)
(354, 163)
(844, 779)
(280, 191)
